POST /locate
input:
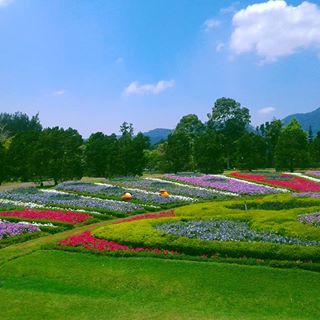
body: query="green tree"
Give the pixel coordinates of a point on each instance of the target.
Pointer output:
(251, 152)
(11, 124)
(230, 119)
(20, 155)
(3, 171)
(292, 148)
(178, 152)
(315, 151)
(208, 151)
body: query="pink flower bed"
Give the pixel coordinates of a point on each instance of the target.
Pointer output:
(61, 216)
(147, 216)
(284, 180)
(86, 240)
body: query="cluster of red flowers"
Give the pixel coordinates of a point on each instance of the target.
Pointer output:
(61, 216)
(147, 216)
(87, 241)
(287, 181)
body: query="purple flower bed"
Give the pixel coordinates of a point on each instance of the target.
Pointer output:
(313, 173)
(307, 195)
(223, 183)
(311, 218)
(10, 229)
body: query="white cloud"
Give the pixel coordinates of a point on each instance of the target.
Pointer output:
(275, 29)
(142, 89)
(211, 24)
(59, 92)
(267, 110)
(220, 46)
(231, 9)
(4, 3)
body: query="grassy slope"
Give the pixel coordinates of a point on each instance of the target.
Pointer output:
(61, 285)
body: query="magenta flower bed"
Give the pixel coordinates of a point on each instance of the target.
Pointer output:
(223, 183)
(147, 216)
(86, 240)
(61, 216)
(10, 229)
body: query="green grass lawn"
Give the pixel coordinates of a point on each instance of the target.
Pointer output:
(63, 285)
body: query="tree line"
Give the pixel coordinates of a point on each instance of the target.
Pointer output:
(29, 152)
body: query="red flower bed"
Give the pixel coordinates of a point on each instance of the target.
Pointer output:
(61, 216)
(147, 216)
(89, 242)
(294, 182)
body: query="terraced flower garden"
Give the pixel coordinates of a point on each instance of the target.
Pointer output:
(216, 219)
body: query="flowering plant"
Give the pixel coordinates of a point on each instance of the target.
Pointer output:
(295, 182)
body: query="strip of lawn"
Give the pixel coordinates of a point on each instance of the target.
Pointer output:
(62, 285)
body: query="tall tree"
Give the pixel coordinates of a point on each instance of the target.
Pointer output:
(208, 151)
(315, 151)
(270, 131)
(20, 155)
(292, 148)
(231, 119)
(251, 152)
(11, 124)
(3, 171)
(178, 151)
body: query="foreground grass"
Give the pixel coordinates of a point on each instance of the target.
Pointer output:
(62, 285)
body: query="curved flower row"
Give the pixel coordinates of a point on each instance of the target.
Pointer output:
(221, 182)
(86, 240)
(311, 218)
(155, 184)
(228, 230)
(315, 173)
(147, 216)
(61, 216)
(57, 198)
(283, 180)
(109, 190)
(11, 229)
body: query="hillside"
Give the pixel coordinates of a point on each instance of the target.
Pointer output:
(156, 135)
(306, 120)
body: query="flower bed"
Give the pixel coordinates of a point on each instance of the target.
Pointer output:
(86, 240)
(311, 218)
(60, 216)
(65, 200)
(147, 216)
(111, 191)
(314, 173)
(10, 229)
(284, 180)
(224, 183)
(228, 230)
(154, 184)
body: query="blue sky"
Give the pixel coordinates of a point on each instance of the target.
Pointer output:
(92, 64)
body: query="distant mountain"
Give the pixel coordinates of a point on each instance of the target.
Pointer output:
(306, 120)
(156, 135)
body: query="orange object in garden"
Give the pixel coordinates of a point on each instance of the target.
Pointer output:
(127, 196)
(164, 193)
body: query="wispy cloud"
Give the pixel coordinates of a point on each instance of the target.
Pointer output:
(267, 110)
(119, 60)
(220, 46)
(135, 88)
(275, 29)
(211, 24)
(231, 9)
(4, 3)
(59, 92)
